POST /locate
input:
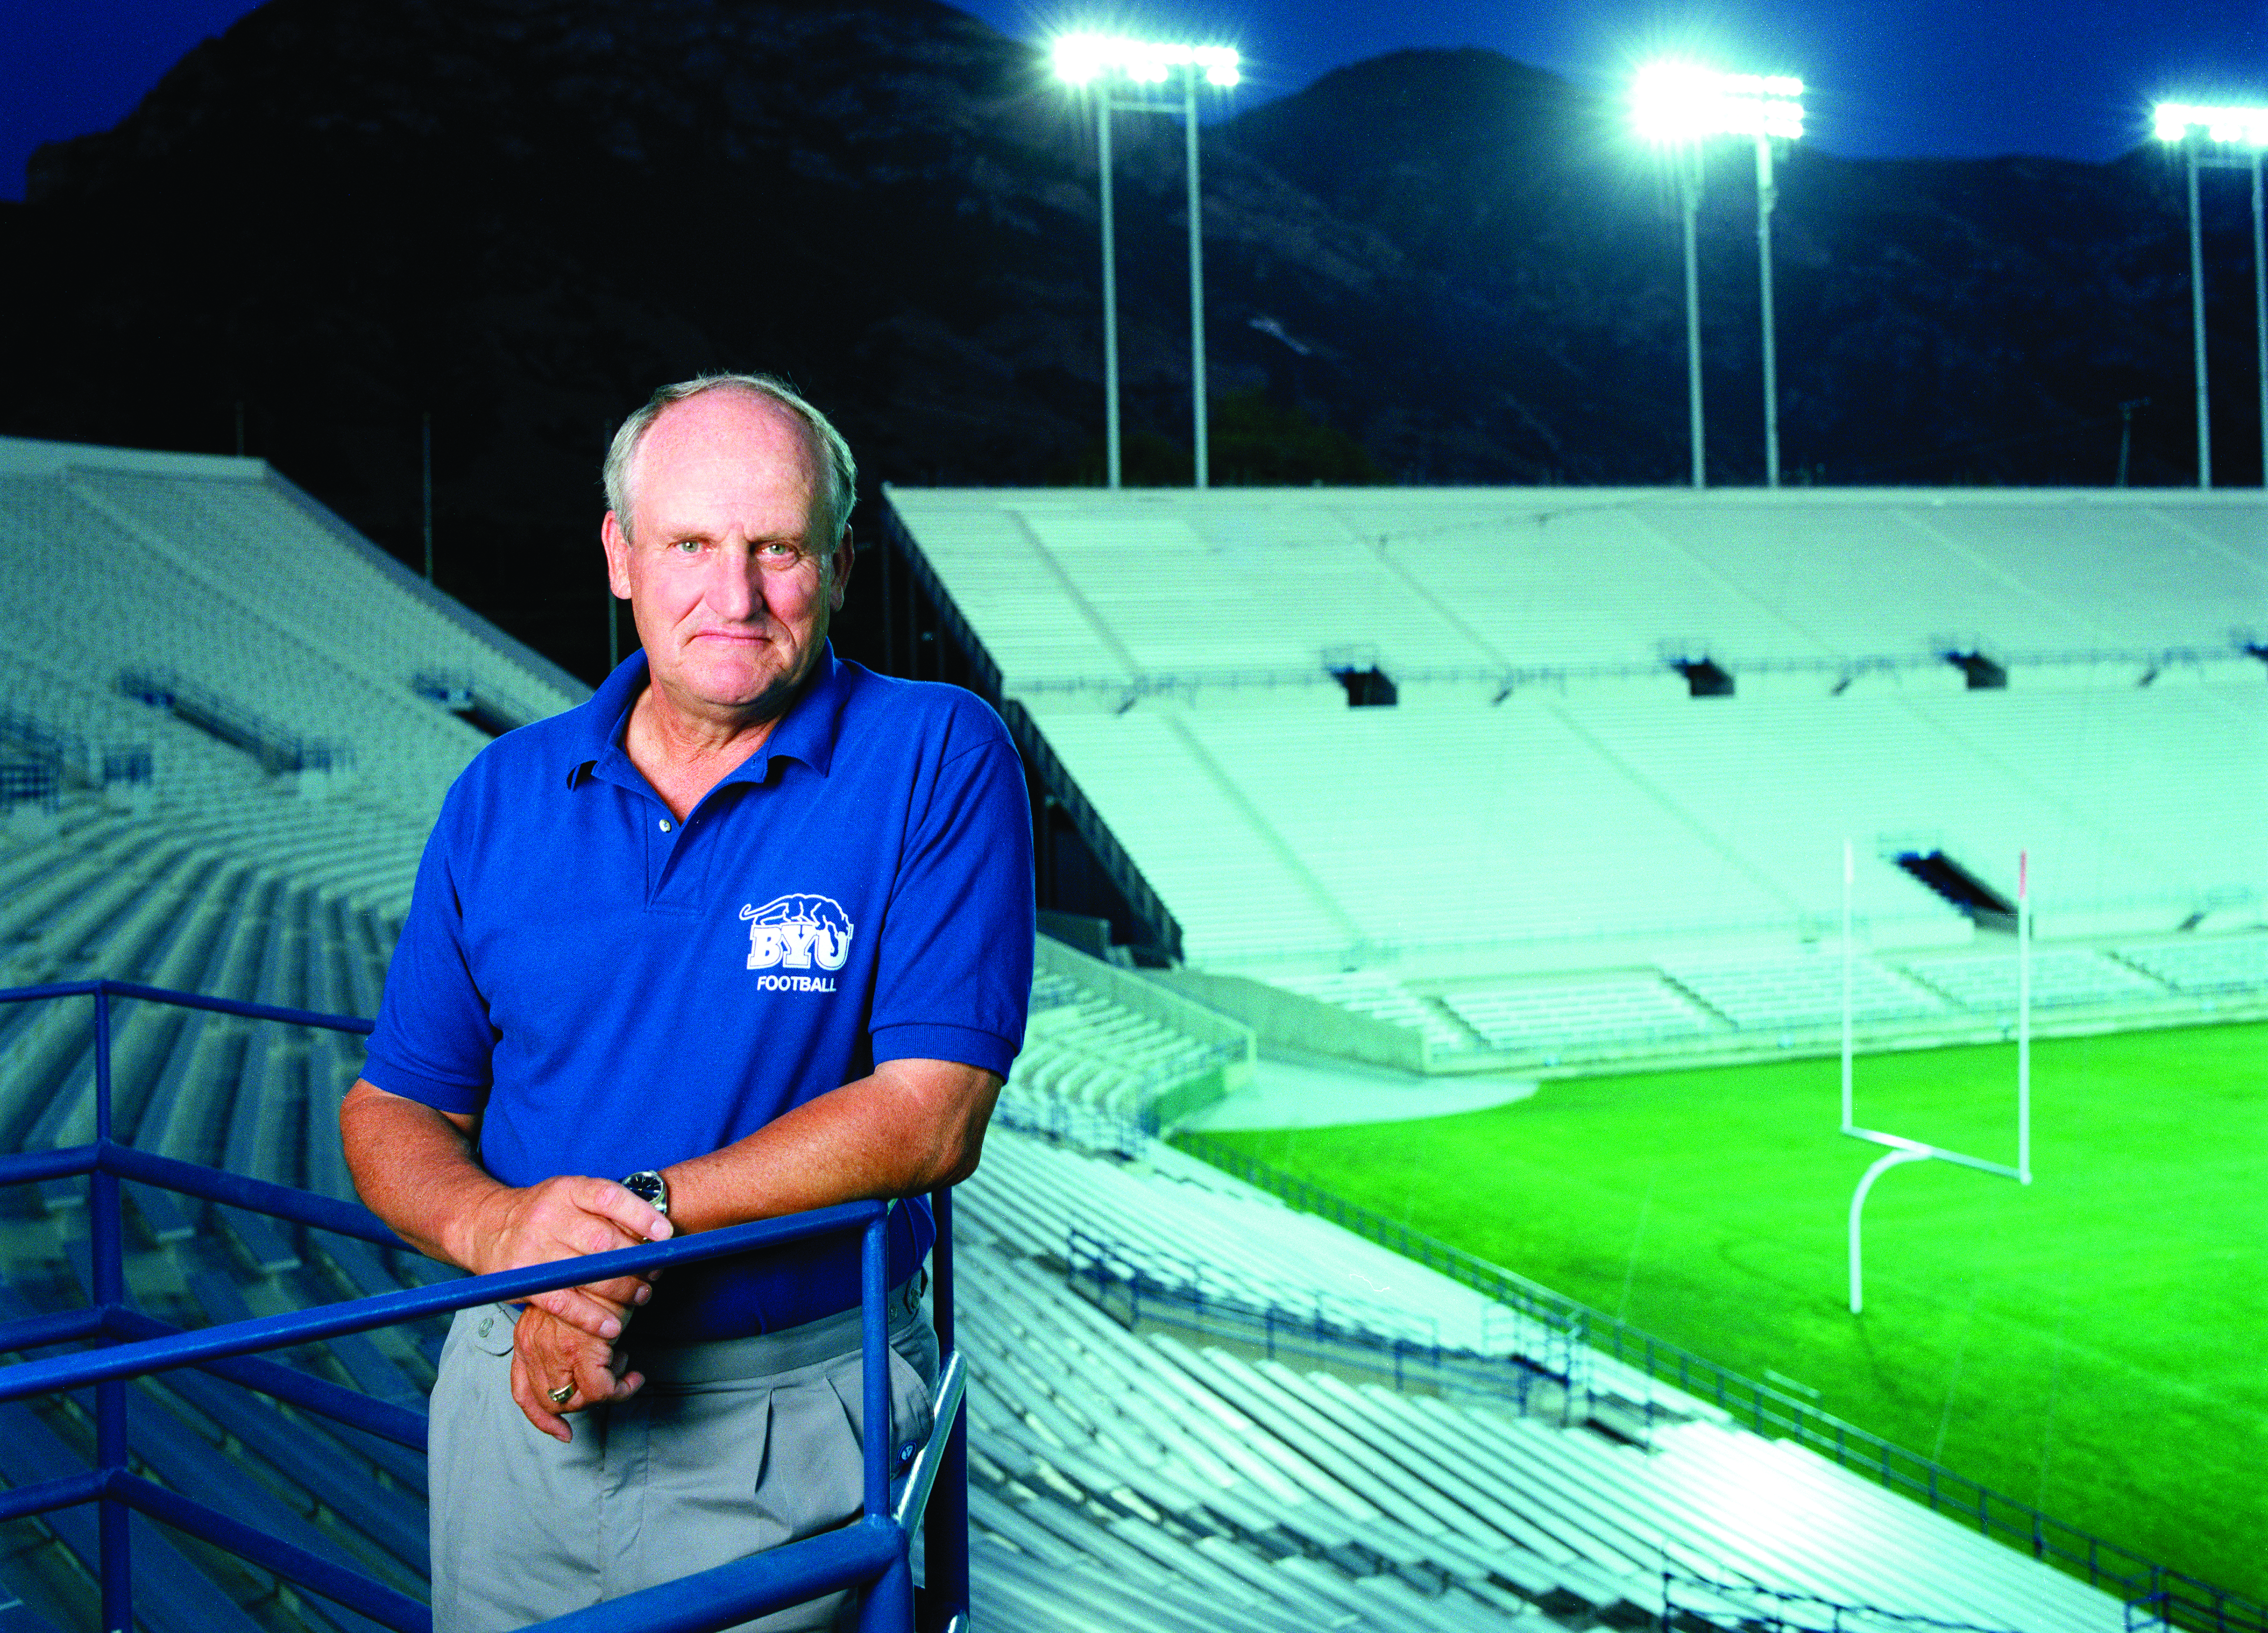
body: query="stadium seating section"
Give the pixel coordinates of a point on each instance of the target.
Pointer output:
(1147, 1475)
(1552, 848)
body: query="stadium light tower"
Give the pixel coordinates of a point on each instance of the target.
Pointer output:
(1104, 60)
(2206, 135)
(1678, 106)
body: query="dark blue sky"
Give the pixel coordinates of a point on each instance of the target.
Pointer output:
(2073, 79)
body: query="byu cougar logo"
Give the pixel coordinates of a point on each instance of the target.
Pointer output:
(796, 932)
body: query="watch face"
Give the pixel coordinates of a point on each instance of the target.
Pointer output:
(648, 1186)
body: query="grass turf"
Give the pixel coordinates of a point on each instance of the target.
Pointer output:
(2091, 1345)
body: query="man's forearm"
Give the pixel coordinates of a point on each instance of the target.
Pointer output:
(415, 1168)
(912, 1126)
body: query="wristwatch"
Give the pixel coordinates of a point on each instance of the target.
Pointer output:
(649, 1187)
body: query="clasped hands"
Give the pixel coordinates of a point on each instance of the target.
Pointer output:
(568, 1336)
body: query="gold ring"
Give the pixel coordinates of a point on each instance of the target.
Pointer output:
(563, 1394)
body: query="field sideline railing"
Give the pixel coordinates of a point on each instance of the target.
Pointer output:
(2184, 1602)
(873, 1551)
(1116, 1281)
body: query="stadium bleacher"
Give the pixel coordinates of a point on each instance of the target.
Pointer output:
(1549, 808)
(1156, 1474)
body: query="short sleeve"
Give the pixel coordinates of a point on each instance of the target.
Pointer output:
(433, 1040)
(954, 978)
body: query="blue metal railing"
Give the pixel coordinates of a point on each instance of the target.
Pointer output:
(873, 1551)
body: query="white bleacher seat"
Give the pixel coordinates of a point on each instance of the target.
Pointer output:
(2206, 965)
(1765, 994)
(2057, 977)
(1442, 1022)
(1552, 1015)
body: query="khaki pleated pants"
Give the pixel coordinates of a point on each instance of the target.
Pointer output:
(730, 1448)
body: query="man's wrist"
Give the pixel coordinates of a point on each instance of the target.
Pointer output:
(464, 1231)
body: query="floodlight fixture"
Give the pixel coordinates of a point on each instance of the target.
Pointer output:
(1679, 105)
(1684, 102)
(1099, 60)
(2235, 126)
(2197, 128)
(1082, 59)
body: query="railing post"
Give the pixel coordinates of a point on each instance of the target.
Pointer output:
(889, 1604)
(105, 1226)
(944, 1525)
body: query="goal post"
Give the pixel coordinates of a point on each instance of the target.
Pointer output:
(1902, 1150)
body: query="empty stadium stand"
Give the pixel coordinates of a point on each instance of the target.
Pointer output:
(1553, 850)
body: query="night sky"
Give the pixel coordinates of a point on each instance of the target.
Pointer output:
(2071, 79)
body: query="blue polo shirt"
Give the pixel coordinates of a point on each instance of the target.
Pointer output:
(612, 990)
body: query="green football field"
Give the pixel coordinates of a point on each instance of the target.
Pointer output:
(2095, 1345)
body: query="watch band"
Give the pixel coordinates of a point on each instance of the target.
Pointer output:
(648, 1186)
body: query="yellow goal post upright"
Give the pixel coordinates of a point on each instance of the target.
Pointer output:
(1902, 1150)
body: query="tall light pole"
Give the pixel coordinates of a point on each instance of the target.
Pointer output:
(1688, 160)
(1102, 60)
(1679, 105)
(2204, 134)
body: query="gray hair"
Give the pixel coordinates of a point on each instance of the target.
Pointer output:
(842, 470)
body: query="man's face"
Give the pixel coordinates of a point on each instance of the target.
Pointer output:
(728, 576)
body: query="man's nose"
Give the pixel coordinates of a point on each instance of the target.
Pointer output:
(734, 591)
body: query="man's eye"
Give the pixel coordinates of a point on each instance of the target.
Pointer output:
(686, 547)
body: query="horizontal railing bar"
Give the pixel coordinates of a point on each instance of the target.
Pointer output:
(28, 1168)
(744, 1588)
(210, 1343)
(188, 1000)
(364, 1595)
(238, 1190)
(49, 989)
(49, 1494)
(64, 1326)
(383, 1418)
(952, 1384)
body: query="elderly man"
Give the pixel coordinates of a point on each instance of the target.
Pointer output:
(748, 933)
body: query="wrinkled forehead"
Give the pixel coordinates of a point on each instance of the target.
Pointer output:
(729, 450)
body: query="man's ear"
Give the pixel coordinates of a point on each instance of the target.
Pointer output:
(846, 557)
(616, 544)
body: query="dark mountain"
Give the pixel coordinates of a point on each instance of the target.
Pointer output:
(1937, 322)
(519, 215)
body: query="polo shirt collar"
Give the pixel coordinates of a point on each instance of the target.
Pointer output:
(807, 732)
